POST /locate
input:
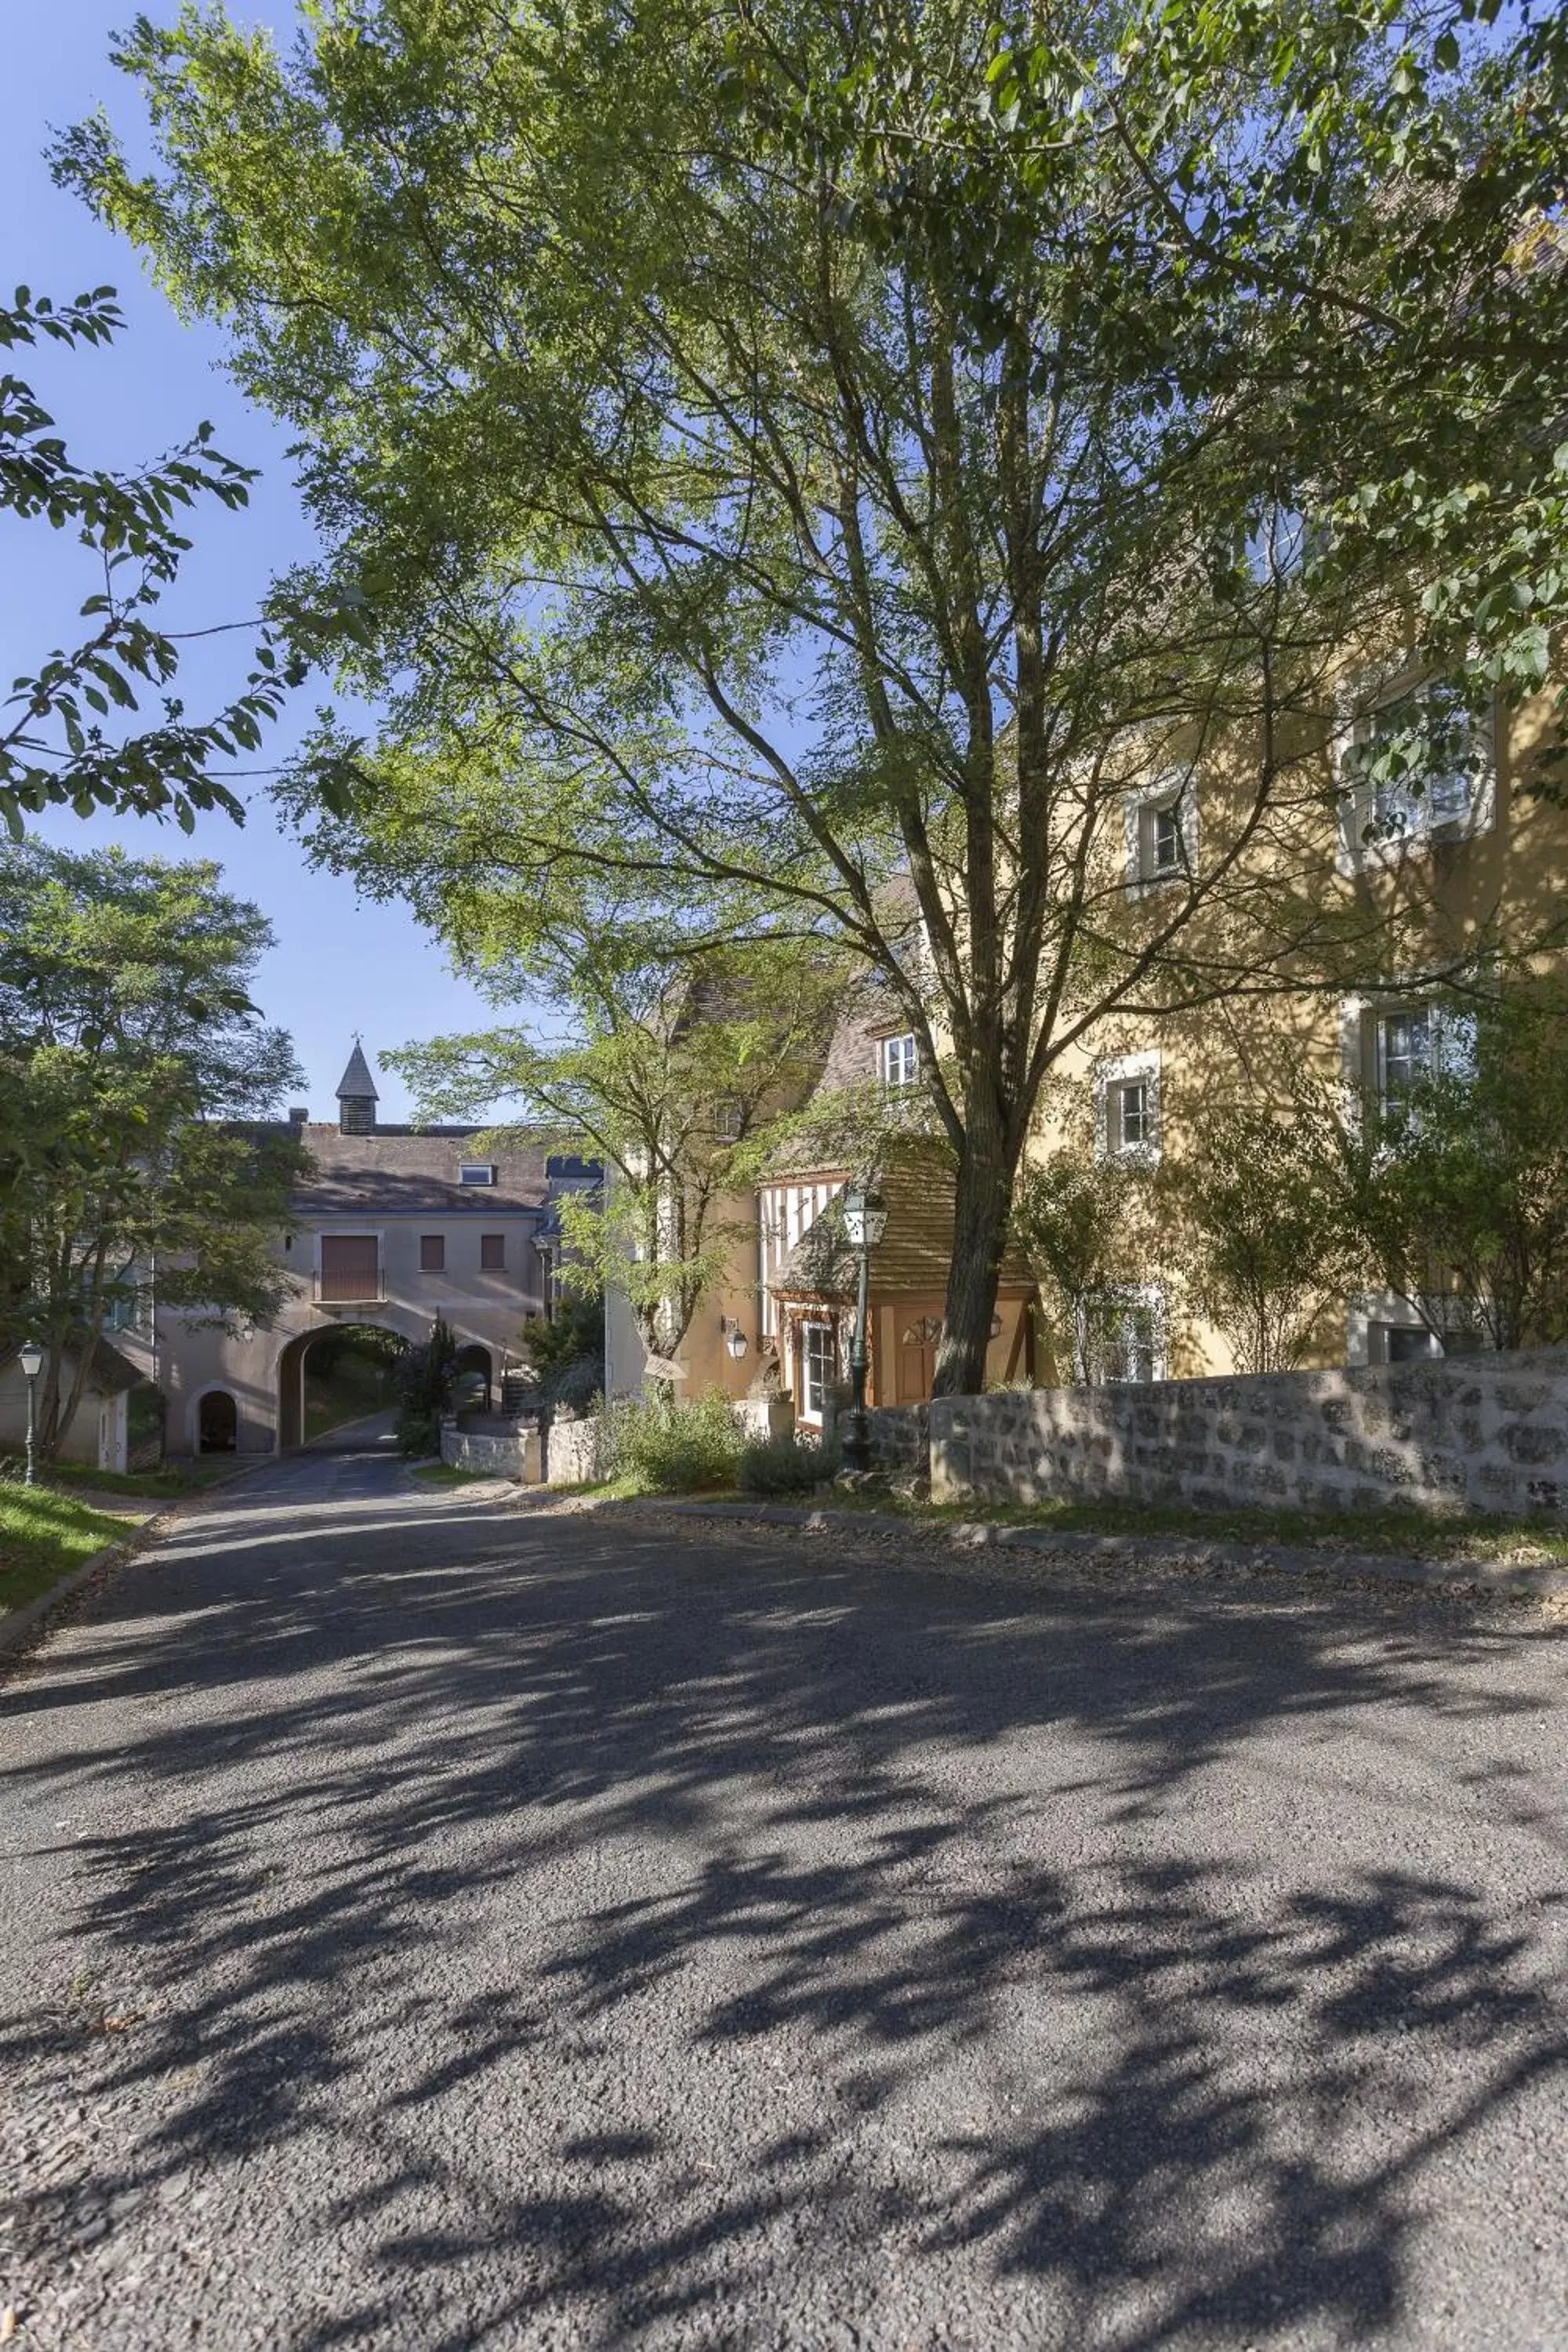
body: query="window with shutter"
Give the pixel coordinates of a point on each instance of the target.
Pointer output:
(350, 1267)
(432, 1253)
(493, 1252)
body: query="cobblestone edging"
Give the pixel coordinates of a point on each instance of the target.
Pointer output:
(1462, 1433)
(967, 1538)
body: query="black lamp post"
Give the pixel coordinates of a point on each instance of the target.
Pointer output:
(865, 1216)
(30, 1356)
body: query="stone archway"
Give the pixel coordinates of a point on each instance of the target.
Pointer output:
(291, 1367)
(217, 1422)
(472, 1357)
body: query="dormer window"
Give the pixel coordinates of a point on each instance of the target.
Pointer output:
(901, 1060)
(477, 1171)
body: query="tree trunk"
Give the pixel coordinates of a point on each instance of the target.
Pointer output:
(981, 1208)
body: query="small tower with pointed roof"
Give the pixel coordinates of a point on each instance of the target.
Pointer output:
(357, 1098)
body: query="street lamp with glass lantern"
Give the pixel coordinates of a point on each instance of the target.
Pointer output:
(30, 1356)
(865, 1218)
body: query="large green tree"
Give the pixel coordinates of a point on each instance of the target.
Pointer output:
(790, 446)
(134, 1072)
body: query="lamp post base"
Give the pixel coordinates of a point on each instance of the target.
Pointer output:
(856, 1449)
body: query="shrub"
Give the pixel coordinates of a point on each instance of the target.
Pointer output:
(674, 1447)
(419, 1435)
(783, 1465)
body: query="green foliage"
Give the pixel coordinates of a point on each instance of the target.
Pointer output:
(1264, 1243)
(133, 1068)
(673, 1446)
(1084, 1224)
(785, 1465)
(57, 744)
(425, 1377)
(1458, 1187)
(566, 1352)
(926, 424)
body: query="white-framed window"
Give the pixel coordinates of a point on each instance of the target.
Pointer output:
(1404, 1049)
(477, 1171)
(1125, 1334)
(1127, 1109)
(1415, 766)
(901, 1060)
(1161, 822)
(1389, 1047)
(818, 1369)
(729, 1120)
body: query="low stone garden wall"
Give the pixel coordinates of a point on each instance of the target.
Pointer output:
(1467, 1433)
(506, 1450)
(900, 1436)
(572, 1452)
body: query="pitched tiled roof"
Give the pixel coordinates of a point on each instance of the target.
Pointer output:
(912, 1257)
(412, 1171)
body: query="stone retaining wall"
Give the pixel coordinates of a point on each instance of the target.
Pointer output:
(507, 1453)
(900, 1439)
(1470, 1433)
(572, 1452)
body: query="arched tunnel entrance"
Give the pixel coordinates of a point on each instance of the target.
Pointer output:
(334, 1376)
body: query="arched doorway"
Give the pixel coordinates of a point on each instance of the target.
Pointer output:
(337, 1375)
(472, 1366)
(217, 1423)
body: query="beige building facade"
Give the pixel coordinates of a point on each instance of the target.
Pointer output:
(393, 1227)
(1405, 892)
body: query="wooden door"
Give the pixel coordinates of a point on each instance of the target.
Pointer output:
(917, 1337)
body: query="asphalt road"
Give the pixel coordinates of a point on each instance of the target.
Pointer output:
(426, 1925)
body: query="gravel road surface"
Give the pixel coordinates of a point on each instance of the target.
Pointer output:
(432, 1923)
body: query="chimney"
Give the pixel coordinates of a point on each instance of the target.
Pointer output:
(299, 1114)
(356, 1097)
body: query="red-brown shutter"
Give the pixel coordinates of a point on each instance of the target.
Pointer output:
(350, 1267)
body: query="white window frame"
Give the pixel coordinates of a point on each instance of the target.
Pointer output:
(1132, 1297)
(729, 1119)
(1110, 1079)
(476, 1173)
(1176, 792)
(817, 1414)
(899, 1061)
(1360, 701)
(1364, 1054)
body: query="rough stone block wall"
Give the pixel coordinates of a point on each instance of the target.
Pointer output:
(1467, 1433)
(900, 1439)
(572, 1452)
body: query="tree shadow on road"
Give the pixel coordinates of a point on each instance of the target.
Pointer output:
(643, 1935)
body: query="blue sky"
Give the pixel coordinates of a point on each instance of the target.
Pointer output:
(339, 965)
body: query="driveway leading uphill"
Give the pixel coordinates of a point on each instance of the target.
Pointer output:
(430, 1923)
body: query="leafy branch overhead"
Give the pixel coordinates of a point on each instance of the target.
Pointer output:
(69, 730)
(798, 450)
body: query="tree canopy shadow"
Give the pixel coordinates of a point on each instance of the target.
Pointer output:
(655, 1929)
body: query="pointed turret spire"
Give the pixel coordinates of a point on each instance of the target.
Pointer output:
(357, 1096)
